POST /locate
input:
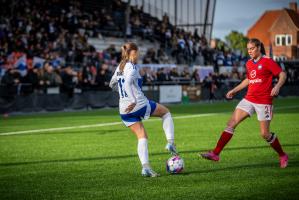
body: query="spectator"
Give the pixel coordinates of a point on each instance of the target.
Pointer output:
(185, 74)
(103, 77)
(31, 80)
(11, 79)
(69, 80)
(174, 73)
(195, 76)
(87, 79)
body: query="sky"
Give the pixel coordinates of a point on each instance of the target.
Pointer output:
(240, 15)
(230, 15)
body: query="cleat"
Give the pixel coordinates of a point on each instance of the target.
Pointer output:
(148, 172)
(171, 148)
(210, 156)
(284, 161)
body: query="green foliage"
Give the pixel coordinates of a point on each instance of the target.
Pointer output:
(221, 45)
(102, 162)
(237, 41)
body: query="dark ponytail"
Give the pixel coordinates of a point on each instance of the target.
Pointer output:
(263, 51)
(258, 43)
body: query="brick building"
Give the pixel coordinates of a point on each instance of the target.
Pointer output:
(279, 31)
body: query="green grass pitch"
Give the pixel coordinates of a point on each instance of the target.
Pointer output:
(100, 162)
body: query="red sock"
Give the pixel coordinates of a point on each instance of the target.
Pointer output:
(224, 139)
(277, 147)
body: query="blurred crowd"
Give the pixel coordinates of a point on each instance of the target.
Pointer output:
(44, 44)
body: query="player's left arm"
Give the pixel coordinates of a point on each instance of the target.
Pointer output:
(130, 75)
(276, 70)
(281, 80)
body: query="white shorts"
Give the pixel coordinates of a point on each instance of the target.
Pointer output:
(263, 111)
(137, 116)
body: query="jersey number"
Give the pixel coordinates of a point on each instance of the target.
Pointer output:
(123, 93)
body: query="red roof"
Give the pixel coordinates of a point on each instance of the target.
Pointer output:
(294, 16)
(261, 28)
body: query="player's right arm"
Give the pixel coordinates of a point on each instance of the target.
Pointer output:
(239, 87)
(113, 82)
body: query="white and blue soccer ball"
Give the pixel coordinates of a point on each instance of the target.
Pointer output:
(175, 164)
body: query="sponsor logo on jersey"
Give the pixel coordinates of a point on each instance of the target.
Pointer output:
(253, 74)
(260, 67)
(257, 80)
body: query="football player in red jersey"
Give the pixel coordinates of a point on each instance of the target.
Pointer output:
(260, 71)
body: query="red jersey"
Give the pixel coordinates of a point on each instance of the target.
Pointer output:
(260, 76)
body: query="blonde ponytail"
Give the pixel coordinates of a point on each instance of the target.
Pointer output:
(125, 53)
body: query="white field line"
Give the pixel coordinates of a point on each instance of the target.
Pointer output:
(96, 125)
(118, 123)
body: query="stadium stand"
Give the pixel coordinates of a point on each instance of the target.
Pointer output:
(52, 47)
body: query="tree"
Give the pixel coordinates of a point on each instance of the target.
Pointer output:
(221, 45)
(237, 41)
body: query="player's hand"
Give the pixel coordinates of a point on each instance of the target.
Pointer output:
(130, 107)
(275, 91)
(230, 94)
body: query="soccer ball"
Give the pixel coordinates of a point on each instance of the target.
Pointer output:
(175, 164)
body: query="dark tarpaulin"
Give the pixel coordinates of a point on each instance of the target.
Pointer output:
(57, 102)
(79, 101)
